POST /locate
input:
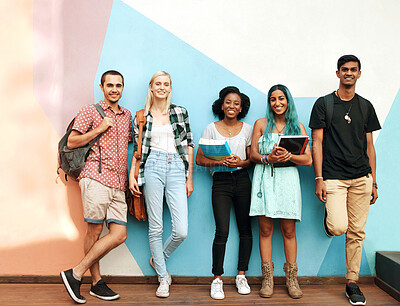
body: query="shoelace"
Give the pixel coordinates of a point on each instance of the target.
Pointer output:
(355, 290)
(293, 279)
(217, 287)
(242, 282)
(164, 284)
(103, 286)
(267, 271)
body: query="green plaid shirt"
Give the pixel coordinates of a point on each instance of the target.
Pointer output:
(179, 119)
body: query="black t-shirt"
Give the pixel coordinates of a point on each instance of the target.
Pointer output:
(345, 145)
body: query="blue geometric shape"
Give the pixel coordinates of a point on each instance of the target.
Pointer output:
(383, 226)
(196, 80)
(334, 263)
(138, 47)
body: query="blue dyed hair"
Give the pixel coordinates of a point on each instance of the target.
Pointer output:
(292, 121)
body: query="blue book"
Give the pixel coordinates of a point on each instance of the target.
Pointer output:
(216, 149)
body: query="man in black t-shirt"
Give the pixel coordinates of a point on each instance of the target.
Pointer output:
(344, 163)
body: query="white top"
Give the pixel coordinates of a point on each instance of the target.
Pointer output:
(238, 143)
(162, 139)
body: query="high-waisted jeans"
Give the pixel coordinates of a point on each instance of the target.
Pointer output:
(231, 188)
(164, 175)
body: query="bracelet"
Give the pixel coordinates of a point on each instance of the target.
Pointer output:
(319, 178)
(375, 185)
(264, 159)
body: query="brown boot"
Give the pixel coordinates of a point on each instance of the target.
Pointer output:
(291, 280)
(267, 285)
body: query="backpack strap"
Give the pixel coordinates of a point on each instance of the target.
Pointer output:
(100, 110)
(103, 115)
(364, 108)
(329, 109)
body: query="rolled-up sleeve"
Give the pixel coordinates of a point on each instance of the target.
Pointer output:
(189, 134)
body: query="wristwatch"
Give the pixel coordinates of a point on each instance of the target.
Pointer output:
(375, 185)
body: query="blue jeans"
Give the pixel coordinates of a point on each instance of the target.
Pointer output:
(164, 175)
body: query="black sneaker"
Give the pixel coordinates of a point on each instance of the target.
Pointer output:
(327, 232)
(353, 292)
(102, 291)
(73, 286)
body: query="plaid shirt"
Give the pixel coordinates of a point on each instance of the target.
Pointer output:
(179, 119)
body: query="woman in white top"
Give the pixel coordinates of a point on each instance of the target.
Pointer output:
(231, 184)
(166, 168)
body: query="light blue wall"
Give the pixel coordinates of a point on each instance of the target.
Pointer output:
(138, 47)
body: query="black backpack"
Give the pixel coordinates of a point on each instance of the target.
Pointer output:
(72, 161)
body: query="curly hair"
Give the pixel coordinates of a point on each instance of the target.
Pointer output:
(244, 102)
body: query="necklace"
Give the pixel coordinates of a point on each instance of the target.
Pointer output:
(281, 130)
(346, 116)
(233, 129)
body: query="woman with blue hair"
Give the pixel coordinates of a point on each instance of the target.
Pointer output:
(276, 185)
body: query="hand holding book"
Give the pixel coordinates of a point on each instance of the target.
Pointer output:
(219, 150)
(279, 155)
(295, 144)
(232, 161)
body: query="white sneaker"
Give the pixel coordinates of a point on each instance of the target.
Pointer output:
(163, 288)
(151, 262)
(217, 292)
(242, 285)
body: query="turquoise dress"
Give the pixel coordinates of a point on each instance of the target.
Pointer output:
(276, 196)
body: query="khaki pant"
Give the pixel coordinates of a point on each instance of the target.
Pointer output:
(347, 205)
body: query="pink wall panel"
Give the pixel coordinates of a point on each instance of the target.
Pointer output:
(68, 40)
(51, 59)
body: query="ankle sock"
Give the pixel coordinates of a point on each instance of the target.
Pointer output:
(76, 276)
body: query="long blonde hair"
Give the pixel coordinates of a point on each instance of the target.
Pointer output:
(150, 96)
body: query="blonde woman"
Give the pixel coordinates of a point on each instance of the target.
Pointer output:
(166, 169)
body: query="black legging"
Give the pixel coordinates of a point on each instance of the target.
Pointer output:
(231, 188)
